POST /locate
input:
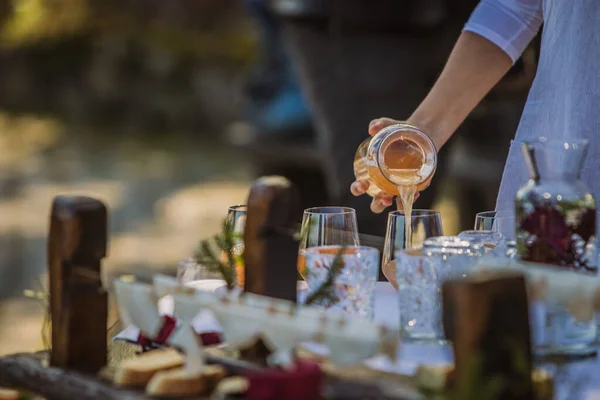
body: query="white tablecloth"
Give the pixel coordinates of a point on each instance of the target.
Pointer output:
(386, 313)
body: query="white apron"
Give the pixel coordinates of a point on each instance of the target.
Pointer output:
(564, 100)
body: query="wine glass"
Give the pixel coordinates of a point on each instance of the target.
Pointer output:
(497, 229)
(189, 270)
(235, 222)
(326, 226)
(502, 222)
(424, 224)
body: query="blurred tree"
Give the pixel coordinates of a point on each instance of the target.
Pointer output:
(156, 63)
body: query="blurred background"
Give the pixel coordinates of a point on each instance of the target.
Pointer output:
(167, 110)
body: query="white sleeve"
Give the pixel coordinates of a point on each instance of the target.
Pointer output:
(510, 24)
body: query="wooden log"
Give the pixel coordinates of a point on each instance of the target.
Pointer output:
(271, 257)
(487, 321)
(30, 372)
(78, 302)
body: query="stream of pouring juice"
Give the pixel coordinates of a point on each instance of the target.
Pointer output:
(404, 162)
(403, 201)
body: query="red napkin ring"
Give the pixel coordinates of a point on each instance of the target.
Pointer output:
(302, 383)
(210, 338)
(167, 328)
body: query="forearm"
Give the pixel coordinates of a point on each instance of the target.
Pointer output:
(473, 68)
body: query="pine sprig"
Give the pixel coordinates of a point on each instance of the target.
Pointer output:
(223, 242)
(43, 297)
(326, 292)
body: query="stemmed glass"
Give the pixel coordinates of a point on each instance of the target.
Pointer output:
(424, 223)
(236, 222)
(326, 226)
(496, 230)
(189, 270)
(502, 222)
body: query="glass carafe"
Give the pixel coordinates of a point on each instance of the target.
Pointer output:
(556, 224)
(399, 155)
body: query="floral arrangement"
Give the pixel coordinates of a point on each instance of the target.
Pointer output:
(558, 234)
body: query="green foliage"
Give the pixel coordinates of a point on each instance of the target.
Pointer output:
(210, 250)
(42, 296)
(326, 292)
(471, 385)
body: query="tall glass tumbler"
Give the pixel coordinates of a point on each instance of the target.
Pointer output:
(354, 286)
(420, 275)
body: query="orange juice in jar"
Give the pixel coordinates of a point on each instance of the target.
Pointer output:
(399, 155)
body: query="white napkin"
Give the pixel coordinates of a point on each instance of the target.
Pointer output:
(386, 313)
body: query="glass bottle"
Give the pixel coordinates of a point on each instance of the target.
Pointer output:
(556, 224)
(399, 155)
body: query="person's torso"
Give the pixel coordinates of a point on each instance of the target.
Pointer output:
(564, 100)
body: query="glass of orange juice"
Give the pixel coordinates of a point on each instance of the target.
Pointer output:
(326, 226)
(236, 221)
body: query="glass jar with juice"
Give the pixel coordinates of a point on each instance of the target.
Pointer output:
(399, 160)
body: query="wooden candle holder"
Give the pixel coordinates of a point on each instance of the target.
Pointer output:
(271, 257)
(78, 302)
(487, 320)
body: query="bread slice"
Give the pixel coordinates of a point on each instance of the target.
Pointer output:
(182, 382)
(137, 371)
(8, 394)
(235, 385)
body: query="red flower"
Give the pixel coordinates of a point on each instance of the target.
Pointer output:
(586, 228)
(546, 223)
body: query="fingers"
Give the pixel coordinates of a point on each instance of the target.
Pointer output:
(381, 202)
(359, 187)
(378, 124)
(384, 200)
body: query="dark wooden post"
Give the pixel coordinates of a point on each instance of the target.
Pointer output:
(270, 252)
(487, 320)
(78, 302)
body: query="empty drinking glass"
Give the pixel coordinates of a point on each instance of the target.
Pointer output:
(424, 224)
(354, 286)
(326, 226)
(503, 223)
(420, 275)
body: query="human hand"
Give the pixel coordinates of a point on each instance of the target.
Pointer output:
(382, 200)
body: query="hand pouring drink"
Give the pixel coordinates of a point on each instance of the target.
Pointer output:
(399, 160)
